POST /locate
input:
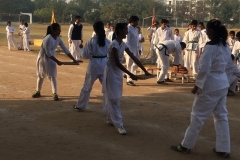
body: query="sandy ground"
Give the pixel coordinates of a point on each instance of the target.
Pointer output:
(154, 116)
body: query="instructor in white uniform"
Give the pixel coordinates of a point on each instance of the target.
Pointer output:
(10, 36)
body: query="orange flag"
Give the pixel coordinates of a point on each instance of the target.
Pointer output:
(53, 17)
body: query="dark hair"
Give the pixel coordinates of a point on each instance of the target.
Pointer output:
(133, 19)
(238, 34)
(164, 21)
(21, 20)
(183, 45)
(26, 24)
(157, 22)
(232, 32)
(8, 22)
(77, 17)
(233, 57)
(119, 27)
(138, 28)
(194, 22)
(100, 32)
(54, 26)
(202, 24)
(49, 30)
(220, 32)
(176, 30)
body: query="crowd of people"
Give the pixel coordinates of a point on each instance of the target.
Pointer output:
(208, 52)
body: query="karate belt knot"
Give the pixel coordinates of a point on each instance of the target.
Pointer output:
(163, 47)
(193, 43)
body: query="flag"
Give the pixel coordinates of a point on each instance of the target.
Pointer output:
(53, 17)
(153, 16)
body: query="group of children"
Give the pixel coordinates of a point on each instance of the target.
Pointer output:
(24, 34)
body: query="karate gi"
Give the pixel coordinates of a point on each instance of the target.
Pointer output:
(152, 50)
(26, 37)
(140, 47)
(10, 37)
(112, 85)
(178, 38)
(110, 36)
(212, 83)
(236, 53)
(194, 42)
(132, 43)
(95, 69)
(45, 66)
(20, 34)
(233, 74)
(174, 48)
(107, 31)
(231, 42)
(74, 47)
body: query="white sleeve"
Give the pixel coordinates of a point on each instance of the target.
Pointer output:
(201, 41)
(185, 38)
(87, 50)
(235, 50)
(64, 48)
(156, 38)
(171, 34)
(70, 32)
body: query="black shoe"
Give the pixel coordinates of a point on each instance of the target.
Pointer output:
(124, 76)
(55, 97)
(130, 83)
(222, 154)
(36, 94)
(168, 80)
(162, 82)
(180, 148)
(77, 109)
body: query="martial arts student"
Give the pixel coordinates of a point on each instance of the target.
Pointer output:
(233, 74)
(20, 34)
(113, 80)
(75, 38)
(164, 49)
(195, 43)
(141, 40)
(231, 39)
(96, 50)
(202, 28)
(132, 43)
(46, 61)
(177, 36)
(236, 50)
(107, 29)
(26, 37)
(10, 36)
(110, 35)
(211, 88)
(151, 36)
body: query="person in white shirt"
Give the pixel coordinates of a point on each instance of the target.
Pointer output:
(141, 40)
(152, 30)
(96, 50)
(107, 29)
(202, 28)
(46, 61)
(231, 39)
(110, 35)
(75, 38)
(20, 34)
(195, 43)
(211, 88)
(177, 36)
(10, 36)
(112, 85)
(164, 49)
(132, 43)
(236, 50)
(26, 37)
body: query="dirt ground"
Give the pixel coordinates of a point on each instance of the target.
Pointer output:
(154, 116)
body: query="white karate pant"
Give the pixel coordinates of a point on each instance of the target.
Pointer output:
(204, 105)
(114, 112)
(163, 63)
(21, 42)
(75, 49)
(233, 81)
(87, 88)
(26, 45)
(53, 84)
(11, 40)
(131, 66)
(191, 61)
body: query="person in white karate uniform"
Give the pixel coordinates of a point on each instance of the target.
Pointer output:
(10, 36)
(211, 88)
(20, 34)
(177, 36)
(141, 40)
(164, 49)
(26, 37)
(75, 38)
(46, 61)
(132, 43)
(236, 50)
(202, 28)
(107, 29)
(113, 80)
(195, 43)
(96, 50)
(152, 30)
(110, 35)
(231, 39)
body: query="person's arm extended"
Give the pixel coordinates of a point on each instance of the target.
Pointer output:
(136, 61)
(56, 60)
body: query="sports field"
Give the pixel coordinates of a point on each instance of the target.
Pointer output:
(154, 116)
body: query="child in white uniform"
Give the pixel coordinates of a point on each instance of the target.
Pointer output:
(20, 34)
(231, 39)
(151, 37)
(10, 36)
(96, 50)
(211, 87)
(177, 36)
(236, 50)
(141, 40)
(26, 37)
(110, 35)
(113, 79)
(46, 61)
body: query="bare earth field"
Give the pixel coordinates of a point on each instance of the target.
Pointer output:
(154, 116)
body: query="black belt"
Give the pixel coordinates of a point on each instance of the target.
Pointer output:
(164, 47)
(99, 56)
